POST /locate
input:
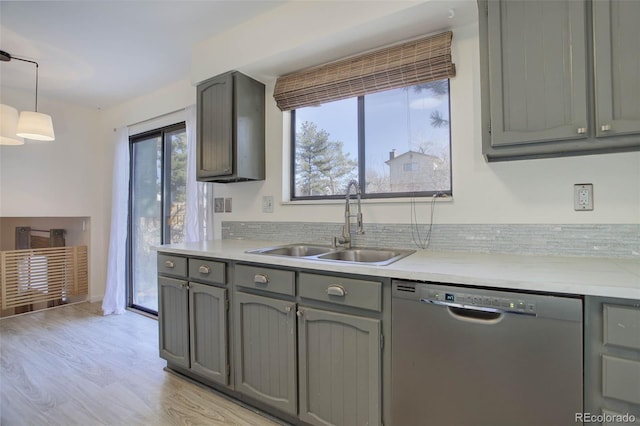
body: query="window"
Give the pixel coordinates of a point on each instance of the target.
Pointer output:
(157, 207)
(396, 143)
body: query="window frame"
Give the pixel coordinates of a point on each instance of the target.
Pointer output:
(361, 162)
(165, 204)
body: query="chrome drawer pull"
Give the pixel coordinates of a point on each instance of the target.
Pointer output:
(260, 279)
(169, 264)
(605, 127)
(203, 269)
(336, 290)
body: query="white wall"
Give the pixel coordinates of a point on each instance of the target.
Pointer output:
(63, 178)
(526, 191)
(72, 176)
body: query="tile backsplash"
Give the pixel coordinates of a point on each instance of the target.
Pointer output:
(618, 241)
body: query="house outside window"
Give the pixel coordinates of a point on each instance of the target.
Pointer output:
(396, 143)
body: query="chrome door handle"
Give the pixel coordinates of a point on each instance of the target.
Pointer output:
(605, 127)
(582, 130)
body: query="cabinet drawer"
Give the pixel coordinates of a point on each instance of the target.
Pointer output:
(172, 265)
(343, 291)
(622, 326)
(267, 279)
(621, 379)
(207, 271)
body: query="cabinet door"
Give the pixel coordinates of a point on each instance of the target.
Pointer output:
(215, 134)
(612, 358)
(340, 368)
(617, 68)
(265, 350)
(208, 331)
(537, 71)
(173, 321)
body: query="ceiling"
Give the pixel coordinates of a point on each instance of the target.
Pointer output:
(100, 53)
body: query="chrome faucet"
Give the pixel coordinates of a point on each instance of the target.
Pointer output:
(345, 239)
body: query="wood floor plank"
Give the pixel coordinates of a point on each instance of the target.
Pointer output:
(72, 366)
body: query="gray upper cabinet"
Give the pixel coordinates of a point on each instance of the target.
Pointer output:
(559, 77)
(617, 67)
(231, 123)
(537, 56)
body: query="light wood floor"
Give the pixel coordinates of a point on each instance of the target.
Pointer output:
(72, 366)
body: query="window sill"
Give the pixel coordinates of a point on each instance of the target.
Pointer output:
(402, 200)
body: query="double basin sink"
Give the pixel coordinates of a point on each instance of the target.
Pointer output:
(369, 256)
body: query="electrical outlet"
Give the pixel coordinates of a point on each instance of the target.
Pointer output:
(227, 205)
(583, 197)
(267, 204)
(218, 205)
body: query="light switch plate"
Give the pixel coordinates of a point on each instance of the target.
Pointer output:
(218, 205)
(583, 197)
(267, 204)
(227, 205)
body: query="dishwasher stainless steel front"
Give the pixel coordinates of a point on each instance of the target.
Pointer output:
(467, 356)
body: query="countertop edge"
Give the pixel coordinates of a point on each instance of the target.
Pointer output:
(604, 277)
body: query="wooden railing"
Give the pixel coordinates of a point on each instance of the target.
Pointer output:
(43, 275)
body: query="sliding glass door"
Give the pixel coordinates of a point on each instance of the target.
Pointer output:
(157, 207)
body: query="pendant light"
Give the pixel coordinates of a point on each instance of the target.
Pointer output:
(30, 124)
(8, 124)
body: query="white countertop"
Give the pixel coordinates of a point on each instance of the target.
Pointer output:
(607, 277)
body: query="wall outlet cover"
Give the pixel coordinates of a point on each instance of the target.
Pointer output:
(227, 205)
(583, 197)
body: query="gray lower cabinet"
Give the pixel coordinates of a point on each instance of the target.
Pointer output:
(612, 360)
(208, 332)
(265, 350)
(173, 321)
(192, 316)
(339, 368)
(559, 77)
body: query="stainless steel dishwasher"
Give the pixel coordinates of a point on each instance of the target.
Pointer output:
(467, 356)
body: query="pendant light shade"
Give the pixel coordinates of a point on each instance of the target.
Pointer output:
(35, 126)
(8, 123)
(31, 124)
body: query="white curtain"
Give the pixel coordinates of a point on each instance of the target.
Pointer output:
(114, 298)
(198, 220)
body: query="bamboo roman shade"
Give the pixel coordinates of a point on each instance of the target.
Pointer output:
(417, 61)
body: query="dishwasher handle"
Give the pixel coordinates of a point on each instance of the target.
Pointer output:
(477, 314)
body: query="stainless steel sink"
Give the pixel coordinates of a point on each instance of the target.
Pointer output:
(370, 256)
(365, 255)
(294, 250)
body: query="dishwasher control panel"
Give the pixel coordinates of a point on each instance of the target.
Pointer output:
(469, 300)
